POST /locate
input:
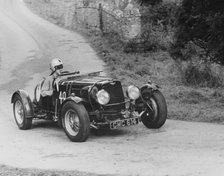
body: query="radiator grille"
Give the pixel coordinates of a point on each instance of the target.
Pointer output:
(116, 96)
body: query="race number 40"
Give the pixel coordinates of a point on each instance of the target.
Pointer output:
(62, 96)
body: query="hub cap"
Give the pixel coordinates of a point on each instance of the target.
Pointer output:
(72, 122)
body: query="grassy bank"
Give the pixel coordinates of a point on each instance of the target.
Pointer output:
(188, 103)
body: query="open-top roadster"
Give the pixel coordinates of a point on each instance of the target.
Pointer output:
(80, 102)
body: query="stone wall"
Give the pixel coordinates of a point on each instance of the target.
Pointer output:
(121, 16)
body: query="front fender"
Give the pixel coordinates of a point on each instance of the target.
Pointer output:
(28, 105)
(150, 85)
(147, 91)
(73, 98)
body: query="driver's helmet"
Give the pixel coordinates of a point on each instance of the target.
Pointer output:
(56, 64)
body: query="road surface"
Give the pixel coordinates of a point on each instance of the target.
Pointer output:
(27, 44)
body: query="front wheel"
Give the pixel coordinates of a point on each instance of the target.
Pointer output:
(75, 121)
(156, 110)
(22, 121)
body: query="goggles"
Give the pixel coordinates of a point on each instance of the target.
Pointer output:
(58, 67)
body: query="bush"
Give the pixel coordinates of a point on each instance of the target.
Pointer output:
(114, 40)
(147, 42)
(201, 22)
(196, 69)
(201, 74)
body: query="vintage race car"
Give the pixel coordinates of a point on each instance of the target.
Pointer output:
(80, 102)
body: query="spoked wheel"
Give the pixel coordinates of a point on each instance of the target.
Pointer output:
(152, 109)
(75, 121)
(20, 115)
(72, 123)
(19, 112)
(156, 111)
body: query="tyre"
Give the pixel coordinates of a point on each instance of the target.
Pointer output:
(22, 121)
(75, 121)
(156, 110)
(37, 95)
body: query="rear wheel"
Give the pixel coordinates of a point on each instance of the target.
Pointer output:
(156, 110)
(22, 121)
(75, 121)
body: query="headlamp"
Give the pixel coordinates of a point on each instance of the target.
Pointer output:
(103, 97)
(133, 92)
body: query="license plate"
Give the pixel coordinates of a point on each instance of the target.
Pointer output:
(125, 122)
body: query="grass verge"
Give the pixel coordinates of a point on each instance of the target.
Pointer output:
(11, 171)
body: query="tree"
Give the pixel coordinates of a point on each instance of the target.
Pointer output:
(201, 22)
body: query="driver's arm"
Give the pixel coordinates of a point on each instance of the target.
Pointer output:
(47, 89)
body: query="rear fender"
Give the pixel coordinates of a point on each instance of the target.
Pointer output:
(28, 105)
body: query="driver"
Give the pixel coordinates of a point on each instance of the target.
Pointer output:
(47, 87)
(56, 66)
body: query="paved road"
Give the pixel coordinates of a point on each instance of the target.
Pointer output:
(27, 43)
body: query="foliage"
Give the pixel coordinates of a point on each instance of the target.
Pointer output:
(143, 70)
(149, 2)
(202, 74)
(157, 28)
(201, 22)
